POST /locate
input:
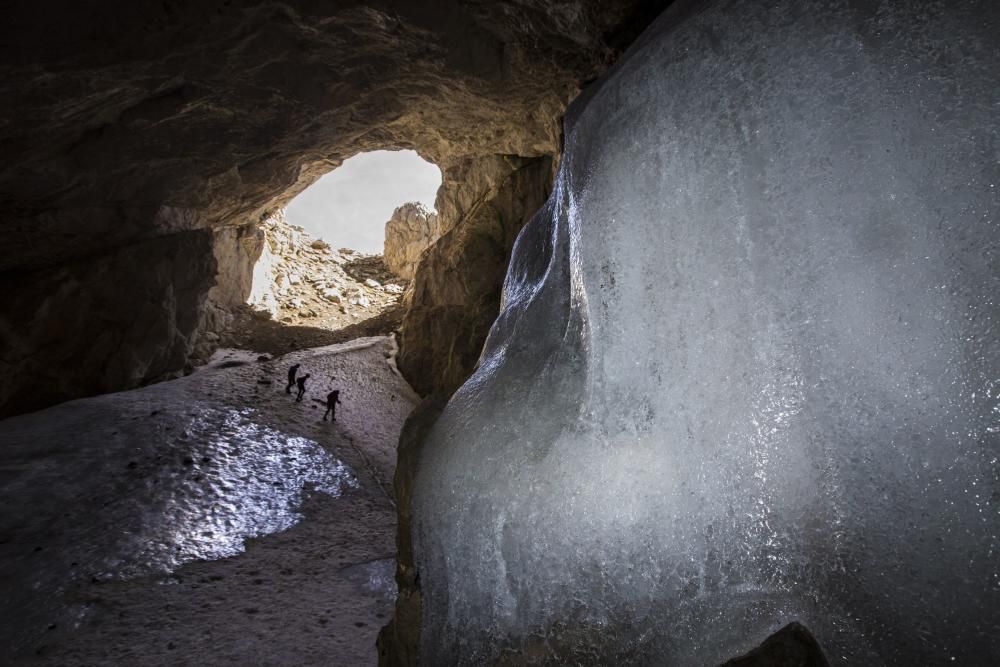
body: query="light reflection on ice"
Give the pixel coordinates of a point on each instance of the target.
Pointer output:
(241, 480)
(377, 576)
(728, 387)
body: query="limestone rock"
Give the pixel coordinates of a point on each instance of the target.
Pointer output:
(455, 295)
(362, 268)
(411, 230)
(236, 251)
(399, 640)
(261, 99)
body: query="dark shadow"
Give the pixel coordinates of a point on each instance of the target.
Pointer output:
(255, 331)
(232, 364)
(792, 646)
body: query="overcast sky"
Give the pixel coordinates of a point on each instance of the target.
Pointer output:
(349, 206)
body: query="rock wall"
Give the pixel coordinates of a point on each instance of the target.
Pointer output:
(103, 323)
(455, 295)
(410, 231)
(237, 251)
(745, 371)
(124, 124)
(273, 273)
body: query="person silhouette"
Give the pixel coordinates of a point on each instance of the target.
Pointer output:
(302, 387)
(291, 378)
(331, 405)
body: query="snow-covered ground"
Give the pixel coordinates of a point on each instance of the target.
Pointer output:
(164, 524)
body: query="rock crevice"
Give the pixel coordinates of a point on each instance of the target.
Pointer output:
(455, 295)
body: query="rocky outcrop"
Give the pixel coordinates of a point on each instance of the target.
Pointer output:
(122, 125)
(237, 251)
(746, 367)
(302, 280)
(117, 320)
(411, 230)
(455, 296)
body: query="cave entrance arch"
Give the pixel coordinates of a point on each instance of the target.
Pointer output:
(325, 273)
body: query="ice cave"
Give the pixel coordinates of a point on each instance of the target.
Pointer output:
(695, 359)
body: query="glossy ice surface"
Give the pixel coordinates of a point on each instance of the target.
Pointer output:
(138, 483)
(748, 365)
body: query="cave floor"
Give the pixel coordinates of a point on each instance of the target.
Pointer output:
(206, 520)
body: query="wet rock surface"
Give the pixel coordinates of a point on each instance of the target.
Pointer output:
(172, 524)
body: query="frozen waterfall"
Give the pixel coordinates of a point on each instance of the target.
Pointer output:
(748, 367)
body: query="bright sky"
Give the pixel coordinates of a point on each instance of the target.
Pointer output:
(349, 206)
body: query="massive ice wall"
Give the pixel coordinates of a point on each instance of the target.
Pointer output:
(748, 366)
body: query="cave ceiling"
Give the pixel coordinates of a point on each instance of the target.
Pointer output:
(122, 121)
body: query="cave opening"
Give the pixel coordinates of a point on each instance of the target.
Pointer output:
(229, 457)
(351, 205)
(336, 260)
(184, 511)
